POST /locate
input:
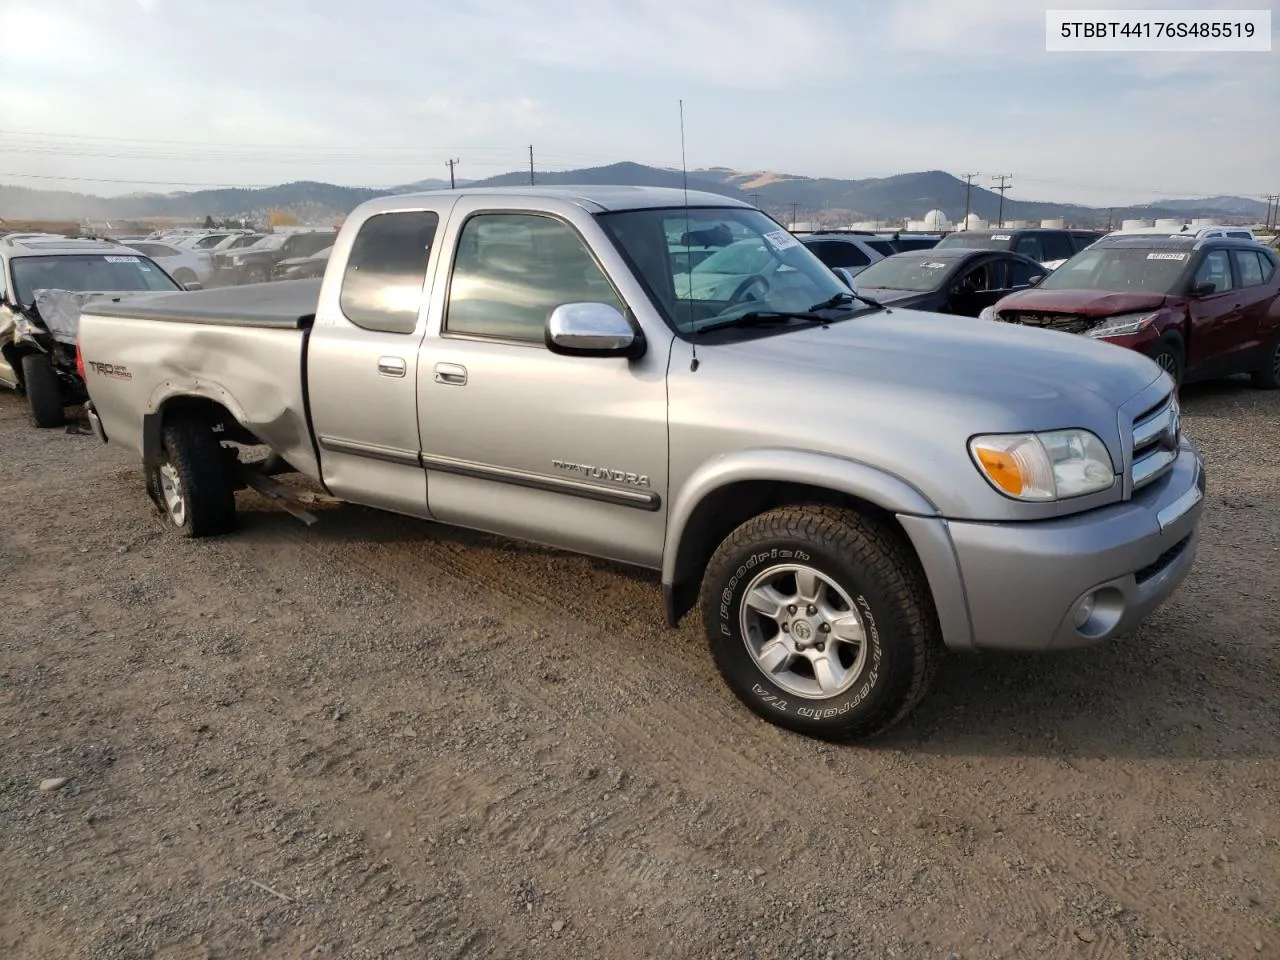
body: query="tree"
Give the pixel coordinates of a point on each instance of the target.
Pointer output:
(281, 218)
(209, 224)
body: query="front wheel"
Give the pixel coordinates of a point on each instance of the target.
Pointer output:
(1169, 357)
(44, 392)
(819, 620)
(193, 484)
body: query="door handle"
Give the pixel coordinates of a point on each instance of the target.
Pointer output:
(452, 373)
(391, 366)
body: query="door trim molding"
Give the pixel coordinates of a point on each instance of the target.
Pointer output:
(408, 458)
(637, 499)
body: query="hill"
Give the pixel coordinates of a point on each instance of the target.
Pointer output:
(908, 195)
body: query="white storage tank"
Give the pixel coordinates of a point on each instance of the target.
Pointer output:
(1169, 223)
(1137, 224)
(974, 222)
(1204, 222)
(1054, 223)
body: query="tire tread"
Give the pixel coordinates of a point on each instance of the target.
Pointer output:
(196, 454)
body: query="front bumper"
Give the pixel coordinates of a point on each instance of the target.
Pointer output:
(1023, 585)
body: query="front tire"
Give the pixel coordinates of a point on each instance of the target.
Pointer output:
(44, 391)
(819, 620)
(1170, 357)
(1267, 376)
(193, 483)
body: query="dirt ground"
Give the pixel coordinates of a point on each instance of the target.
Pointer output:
(378, 737)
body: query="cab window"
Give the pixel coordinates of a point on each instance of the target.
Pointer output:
(1215, 270)
(512, 269)
(387, 269)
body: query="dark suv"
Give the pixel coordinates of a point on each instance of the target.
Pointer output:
(1043, 244)
(254, 263)
(1199, 308)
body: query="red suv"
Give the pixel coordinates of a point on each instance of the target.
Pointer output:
(1199, 308)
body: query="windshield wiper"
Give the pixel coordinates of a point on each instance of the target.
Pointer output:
(844, 297)
(762, 317)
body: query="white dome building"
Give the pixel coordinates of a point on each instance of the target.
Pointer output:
(934, 221)
(973, 222)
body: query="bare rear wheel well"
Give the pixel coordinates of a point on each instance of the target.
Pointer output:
(219, 418)
(730, 506)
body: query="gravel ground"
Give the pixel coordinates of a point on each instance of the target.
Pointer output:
(378, 737)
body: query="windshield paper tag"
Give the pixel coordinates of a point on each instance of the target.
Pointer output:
(1166, 256)
(781, 240)
(933, 265)
(122, 259)
(1001, 236)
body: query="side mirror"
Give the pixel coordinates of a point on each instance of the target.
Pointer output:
(592, 330)
(1204, 289)
(1036, 280)
(845, 277)
(193, 285)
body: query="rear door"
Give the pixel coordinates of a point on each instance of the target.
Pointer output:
(1257, 294)
(362, 359)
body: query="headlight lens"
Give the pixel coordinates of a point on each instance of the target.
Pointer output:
(988, 313)
(1122, 324)
(1054, 465)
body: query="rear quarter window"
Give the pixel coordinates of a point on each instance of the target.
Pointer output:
(385, 273)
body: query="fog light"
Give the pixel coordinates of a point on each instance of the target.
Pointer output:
(1085, 610)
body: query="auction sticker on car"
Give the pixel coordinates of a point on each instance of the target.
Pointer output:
(933, 265)
(121, 259)
(1001, 236)
(781, 240)
(1166, 256)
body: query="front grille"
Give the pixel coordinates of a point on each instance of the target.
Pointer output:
(1066, 322)
(1159, 563)
(1157, 432)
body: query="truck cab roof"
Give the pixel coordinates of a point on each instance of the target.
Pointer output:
(601, 198)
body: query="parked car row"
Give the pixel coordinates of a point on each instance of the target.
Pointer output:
(842, 490)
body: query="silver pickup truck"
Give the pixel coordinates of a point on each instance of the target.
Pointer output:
(844, 491)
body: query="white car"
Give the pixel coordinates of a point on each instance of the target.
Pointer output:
(1200, 233)
(185, 266)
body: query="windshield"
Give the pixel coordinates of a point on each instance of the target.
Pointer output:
(1120, 270)
(764, 269)
(992, 241)
(272, 241)
(919, 274)
(81, 272)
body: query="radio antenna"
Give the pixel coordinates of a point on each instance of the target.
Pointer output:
(688, 251)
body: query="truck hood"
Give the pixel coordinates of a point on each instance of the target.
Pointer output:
(1084, 303)
(997, 364)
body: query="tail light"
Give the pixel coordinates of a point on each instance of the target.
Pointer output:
(79, 361)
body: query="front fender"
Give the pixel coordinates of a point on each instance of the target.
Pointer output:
(784, 465)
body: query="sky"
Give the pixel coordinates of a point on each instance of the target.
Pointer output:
(113, 96)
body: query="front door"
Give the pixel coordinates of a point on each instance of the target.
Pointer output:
(565, 451)
(362, 361)
(1218, 317)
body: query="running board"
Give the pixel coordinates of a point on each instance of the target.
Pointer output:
(289, 498)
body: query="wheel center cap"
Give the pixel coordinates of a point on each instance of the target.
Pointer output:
(801, 630)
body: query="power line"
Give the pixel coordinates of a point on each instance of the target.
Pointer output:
(1004, 185)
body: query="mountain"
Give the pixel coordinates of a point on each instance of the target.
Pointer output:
(831, 200)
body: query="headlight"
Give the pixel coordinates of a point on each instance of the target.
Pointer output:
(988, 313)
(1054, 465)
(1121, 324)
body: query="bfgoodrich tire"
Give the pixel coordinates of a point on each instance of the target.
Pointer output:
(44, 392)
(819, 620)
(193, 481)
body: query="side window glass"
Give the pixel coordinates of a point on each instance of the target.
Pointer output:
(1030, 246)
(1020, 273)
(1215, 269)
(512, 269)
(1248, 267)
(384, 276)
(847, 255)
(1057, 246)
(1268, 268)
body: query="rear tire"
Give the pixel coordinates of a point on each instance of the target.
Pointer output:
(193, 481)
(44, 391)
(820, 621)
(1267, 376)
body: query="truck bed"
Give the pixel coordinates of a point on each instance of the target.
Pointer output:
(281, 305)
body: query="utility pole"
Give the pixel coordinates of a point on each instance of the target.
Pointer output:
(450, 164)
(1111, 212)
(794, 206)
(1273, 215)
(531, 181)
(755, 199)
(1004, 185)
(968, 184)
